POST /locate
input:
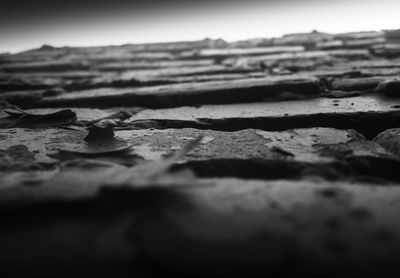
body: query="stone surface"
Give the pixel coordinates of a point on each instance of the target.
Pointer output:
(389, 88)
(390, 139)
(356, 84)
(387, 50)
(325, 152)
(368, 115)
(264, 164)
(248, 51)
(247, 90)
(300, 144)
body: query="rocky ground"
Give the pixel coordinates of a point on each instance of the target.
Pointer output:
(276, 157)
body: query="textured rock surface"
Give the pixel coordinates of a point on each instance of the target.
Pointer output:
(330, 153)
(389, 88)
(246, 90)
(367, 114)
(263, 157)
(390, 139)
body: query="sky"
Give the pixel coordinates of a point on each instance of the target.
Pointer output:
(27, 24)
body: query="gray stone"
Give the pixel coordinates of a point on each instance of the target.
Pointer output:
(356, 84)
(366, 114)
(390, 139)
(248, 51)
(246, 90)
(386, 50)
(389, 88)
(299, 144)
(323, 152)
(45, 66)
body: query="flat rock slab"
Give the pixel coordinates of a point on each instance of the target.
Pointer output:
(248, 51)
(45, 66)
(129, 65)
(27, 149)
(39, 142)
(328, 55)
(325, 152)
(247, 90)
(298, 144)
(356, 84)
(386, 50)
(366, 114)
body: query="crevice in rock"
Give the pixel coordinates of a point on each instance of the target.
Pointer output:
(373, 169)
(369, 124)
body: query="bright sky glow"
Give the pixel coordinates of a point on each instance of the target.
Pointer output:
(230, 23)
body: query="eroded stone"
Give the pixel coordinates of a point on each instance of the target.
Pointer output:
(330, 153)
(154, 144)
(390, 139)
(191, 94)
(356, 84)
(389, 88)
(366, 114)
